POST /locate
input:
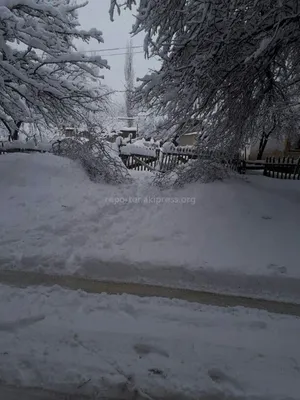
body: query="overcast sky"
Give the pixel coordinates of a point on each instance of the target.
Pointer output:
(116, 34)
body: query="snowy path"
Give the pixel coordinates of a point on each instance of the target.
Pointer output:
(127, 347)
(240, 236)
(26, 279)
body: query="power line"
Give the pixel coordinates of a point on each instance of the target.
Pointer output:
(121, 54)
(114, 49)
(44, 56)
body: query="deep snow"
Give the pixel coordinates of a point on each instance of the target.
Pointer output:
(115, 345)
(240, 235)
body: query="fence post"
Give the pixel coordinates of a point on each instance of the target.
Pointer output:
(273, 167)
(283, 168)
(287, 168)
(290, 169)
(266, 167)
(297, 170)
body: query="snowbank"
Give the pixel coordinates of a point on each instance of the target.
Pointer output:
(145, 143)
(116, 346)
(238, 236)
(169, 147)
(138, 150)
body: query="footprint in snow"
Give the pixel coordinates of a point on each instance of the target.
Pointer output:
(266, 217)
(224, 380)
(143, 349)
(277, 269)
(21, 323)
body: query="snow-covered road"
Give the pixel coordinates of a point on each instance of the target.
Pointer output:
(14, 393)
(118, 346)
(29, 278)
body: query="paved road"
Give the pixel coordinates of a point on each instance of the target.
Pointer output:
(25, 279)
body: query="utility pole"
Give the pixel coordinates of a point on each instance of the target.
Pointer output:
(129, 83)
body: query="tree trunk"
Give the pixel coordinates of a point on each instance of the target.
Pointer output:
(15, 134)
(264, 139)
(262, 146)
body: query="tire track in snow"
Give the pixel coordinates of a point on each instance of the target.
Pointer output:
(13, 326)
(28, 278)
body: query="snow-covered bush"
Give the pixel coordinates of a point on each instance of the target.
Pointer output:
(100, 161)
(203, 171)
(168, 147)
(208, 167)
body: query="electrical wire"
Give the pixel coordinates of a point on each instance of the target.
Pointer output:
(121, 54)
(114, 49)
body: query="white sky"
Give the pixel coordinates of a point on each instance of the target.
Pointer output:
(116, 34)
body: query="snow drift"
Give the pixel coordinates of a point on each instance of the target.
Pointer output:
(240, 236)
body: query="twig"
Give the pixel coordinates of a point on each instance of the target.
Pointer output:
(84, 383)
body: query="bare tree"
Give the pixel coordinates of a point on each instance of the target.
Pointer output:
(129, 83)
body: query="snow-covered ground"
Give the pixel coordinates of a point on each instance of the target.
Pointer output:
(240, 236)
(118, 346)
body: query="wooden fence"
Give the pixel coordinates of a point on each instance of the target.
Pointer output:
(138, 162)
(282, 168)
(21, 150)
(165, 161)
(162, 161)
(12, 147)
(169, 161)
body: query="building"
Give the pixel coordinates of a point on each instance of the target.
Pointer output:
(188, 139)
(275, 148)
(126, 132)
(191, 138)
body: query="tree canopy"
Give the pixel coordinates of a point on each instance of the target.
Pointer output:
(42, 76)
(232, 66)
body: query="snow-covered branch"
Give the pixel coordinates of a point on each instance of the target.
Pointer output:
(226, 65)
(42, 76)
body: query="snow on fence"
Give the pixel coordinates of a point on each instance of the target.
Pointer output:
(18, 146)
(178, 156)
(159, 159)
(282, 168)
(137, 150)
